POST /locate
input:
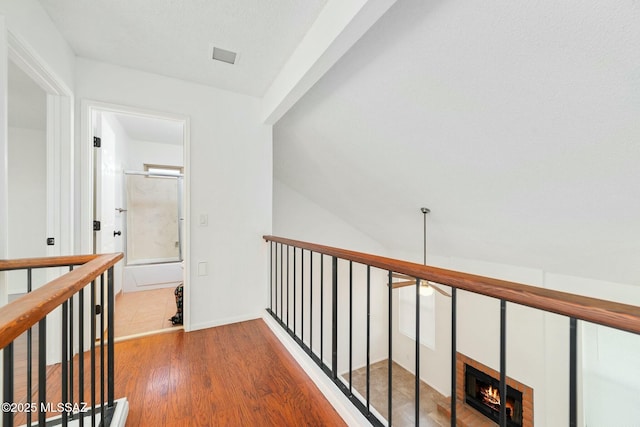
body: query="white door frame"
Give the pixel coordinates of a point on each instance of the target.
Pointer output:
(60, 166)
(88, 108)
(60, 145)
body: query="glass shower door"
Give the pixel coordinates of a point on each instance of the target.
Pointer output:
(153, 218)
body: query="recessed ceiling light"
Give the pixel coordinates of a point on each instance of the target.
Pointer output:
(224, 55)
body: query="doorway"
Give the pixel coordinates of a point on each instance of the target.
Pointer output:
(36, 188)
(27, 175)
(139, 197)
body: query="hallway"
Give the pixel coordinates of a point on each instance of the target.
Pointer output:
(233, 375)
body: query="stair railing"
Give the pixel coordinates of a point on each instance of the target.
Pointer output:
(288, 301)
(62, 392)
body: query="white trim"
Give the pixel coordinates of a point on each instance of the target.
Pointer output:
(34, 66)
(226, 321)
(4, 161)
(337, 28)
(59, 143)
(87, 108)
(338, 400)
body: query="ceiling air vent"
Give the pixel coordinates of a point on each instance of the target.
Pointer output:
(224, 55)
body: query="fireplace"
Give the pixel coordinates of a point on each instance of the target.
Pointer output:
(463, 362)
(481, 391)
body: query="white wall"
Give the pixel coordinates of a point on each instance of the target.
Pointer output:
(27, 173)
(27, 20)
(611, 358)
(156, 153)
(296, 217)
(230, 181)
(537, 342)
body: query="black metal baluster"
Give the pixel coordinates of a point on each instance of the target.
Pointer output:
(294, 291)
(573, 372)
(334, 318)
(454, 357)
(503, 363)
(302, 295)
(368, 337)
(390, 357)
(29, 351)
(102, 306)
(71, 367)
(110, 338)
(71, 342)
(81, 352)
(350, 326)
(93, 353)
(271, 276)
(42, 371)
(64, 363)
(7, 383)
(417, 392)
(281, 285)
(321, 309)
(288, 290)
(311, 304)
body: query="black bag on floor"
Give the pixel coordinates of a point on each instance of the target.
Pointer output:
(177, 318)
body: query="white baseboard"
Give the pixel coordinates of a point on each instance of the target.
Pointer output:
(225, 321)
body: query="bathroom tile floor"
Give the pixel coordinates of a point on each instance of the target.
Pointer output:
(144, 311)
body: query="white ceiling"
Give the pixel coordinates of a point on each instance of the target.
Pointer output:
(516, 122)
(151, 129)
(176, 38)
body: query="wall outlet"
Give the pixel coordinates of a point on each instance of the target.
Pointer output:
(203, 269)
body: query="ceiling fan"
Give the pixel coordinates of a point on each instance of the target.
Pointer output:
(426, 287)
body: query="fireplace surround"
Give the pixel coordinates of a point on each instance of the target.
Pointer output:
(481, 391)
(518, 391)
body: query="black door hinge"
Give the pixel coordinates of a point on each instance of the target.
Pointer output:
(98, 309)
(51, 241)
(96, 225)
(97, 141)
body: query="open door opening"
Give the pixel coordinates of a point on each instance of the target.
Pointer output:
(139, 190)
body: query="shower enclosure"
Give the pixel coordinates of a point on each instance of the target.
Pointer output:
(153, 231)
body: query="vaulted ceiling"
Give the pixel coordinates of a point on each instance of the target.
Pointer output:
(516, 122)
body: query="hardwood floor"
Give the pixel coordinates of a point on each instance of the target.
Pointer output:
(233, 375)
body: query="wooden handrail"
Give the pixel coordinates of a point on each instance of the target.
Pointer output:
(26, 311)
(54, 261)
(616, 315)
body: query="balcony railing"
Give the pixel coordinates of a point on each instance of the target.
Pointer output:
(79, 385)
(303, 302)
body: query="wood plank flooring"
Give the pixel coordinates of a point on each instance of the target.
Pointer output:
(233, 375)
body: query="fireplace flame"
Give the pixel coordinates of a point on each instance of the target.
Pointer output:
(491, 395)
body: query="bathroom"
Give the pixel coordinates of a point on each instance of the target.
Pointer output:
(140, 198)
